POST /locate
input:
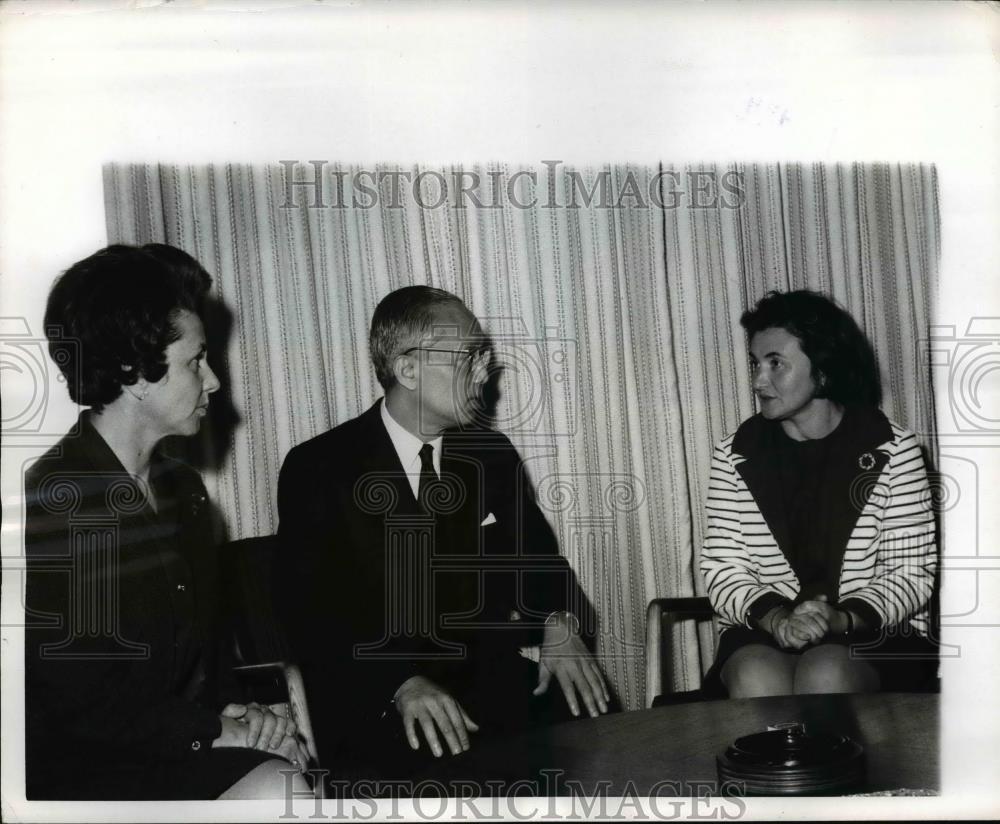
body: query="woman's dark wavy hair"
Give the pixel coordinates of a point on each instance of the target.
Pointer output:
(843, 361)
(110, 317)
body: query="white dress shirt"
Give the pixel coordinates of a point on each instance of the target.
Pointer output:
(408, 446)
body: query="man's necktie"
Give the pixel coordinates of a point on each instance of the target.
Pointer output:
(427, 476)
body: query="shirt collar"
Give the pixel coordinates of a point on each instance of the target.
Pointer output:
(407, 445)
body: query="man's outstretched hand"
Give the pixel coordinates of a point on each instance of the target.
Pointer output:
(420, 701)
(565, 656)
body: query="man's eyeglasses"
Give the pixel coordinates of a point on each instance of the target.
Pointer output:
(480, 356)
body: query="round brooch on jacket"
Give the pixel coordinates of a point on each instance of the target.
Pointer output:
(866, 461)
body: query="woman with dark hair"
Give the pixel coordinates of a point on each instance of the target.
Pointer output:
(820, 553)
(122, 675)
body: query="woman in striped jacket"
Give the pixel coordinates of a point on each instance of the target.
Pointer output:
(820, 553)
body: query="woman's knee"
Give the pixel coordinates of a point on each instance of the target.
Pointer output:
(830, 668)
(757, 670)
(271, 779)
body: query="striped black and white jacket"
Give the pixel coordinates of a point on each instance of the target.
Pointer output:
(884, 519)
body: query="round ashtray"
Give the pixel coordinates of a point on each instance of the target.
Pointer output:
(786, 760)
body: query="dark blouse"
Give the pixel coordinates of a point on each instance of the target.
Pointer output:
(121, 667)
(806, 487)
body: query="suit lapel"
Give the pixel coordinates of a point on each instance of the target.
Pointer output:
(754, 440)
(459, 533)
(854, 467)
(467, 463)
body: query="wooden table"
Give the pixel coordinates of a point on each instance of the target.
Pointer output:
(636, 752)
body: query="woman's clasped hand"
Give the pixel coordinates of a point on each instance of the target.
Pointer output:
(261, 727)
(807, 623)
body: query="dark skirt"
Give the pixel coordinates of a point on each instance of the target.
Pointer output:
(904, 662)
(204, 776)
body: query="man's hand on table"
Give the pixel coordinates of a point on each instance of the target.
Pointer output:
(420, 701)
(565, 656)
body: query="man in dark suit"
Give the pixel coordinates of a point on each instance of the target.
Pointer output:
(416, 564)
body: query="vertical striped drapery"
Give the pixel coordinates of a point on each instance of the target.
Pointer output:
(614, 297)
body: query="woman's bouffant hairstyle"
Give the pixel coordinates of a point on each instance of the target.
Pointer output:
(843, 361)
(110, 317)
(400, 320)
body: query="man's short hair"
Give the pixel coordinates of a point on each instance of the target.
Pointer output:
(110, 317)
(401, 320)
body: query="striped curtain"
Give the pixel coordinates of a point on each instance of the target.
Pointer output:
(613, 295)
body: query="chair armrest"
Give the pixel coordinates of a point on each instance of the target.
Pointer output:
(295, 694)
(300, 708)
(667, 611)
